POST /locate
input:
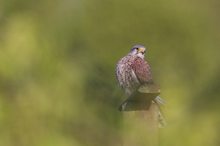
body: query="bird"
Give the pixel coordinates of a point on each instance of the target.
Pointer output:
(134, 72)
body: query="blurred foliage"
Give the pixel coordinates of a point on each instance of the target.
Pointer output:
(57, 62)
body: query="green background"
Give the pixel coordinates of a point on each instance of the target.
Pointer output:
(57, 69)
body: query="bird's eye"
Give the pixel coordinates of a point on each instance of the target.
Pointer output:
(135, 48)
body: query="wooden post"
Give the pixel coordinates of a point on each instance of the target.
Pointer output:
(140, 118)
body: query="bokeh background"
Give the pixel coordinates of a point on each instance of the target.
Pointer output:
(57, 69)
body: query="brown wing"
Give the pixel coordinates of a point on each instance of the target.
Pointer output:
(142, 70)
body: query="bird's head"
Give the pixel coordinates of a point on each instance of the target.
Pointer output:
(138, 50)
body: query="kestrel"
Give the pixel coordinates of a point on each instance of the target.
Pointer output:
(132, 71)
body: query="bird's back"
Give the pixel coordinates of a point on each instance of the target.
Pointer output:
(142, 70)
(132, 71)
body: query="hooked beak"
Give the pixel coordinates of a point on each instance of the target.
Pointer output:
(141, 50)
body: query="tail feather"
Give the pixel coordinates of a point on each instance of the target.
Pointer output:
(160, 100)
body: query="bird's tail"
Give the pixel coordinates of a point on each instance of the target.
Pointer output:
(159, 101)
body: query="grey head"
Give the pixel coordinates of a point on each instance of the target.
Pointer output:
(138, 50)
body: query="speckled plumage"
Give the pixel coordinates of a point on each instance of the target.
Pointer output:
(133, 71)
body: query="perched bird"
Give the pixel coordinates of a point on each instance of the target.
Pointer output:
(132, 72)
